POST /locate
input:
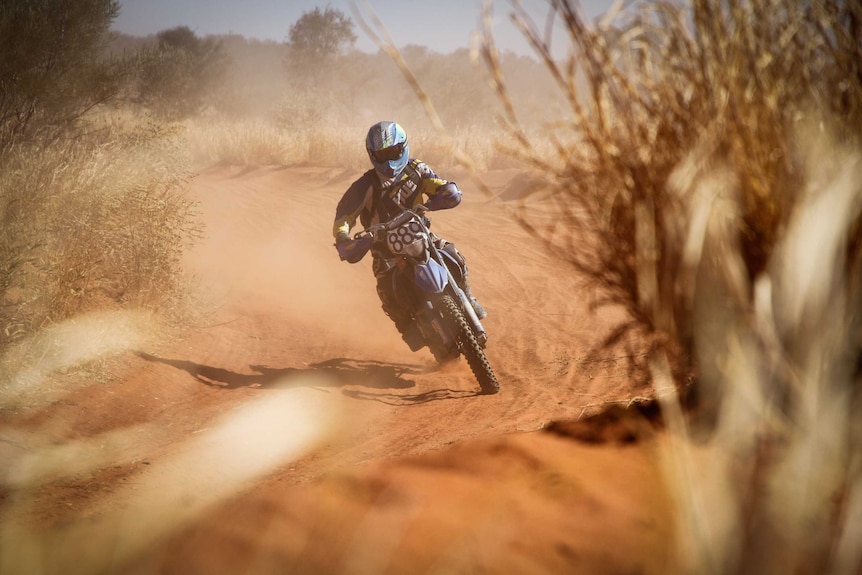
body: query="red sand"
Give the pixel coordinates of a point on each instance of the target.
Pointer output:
(406, 469)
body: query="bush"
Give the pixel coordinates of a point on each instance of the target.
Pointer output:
(658, 100)
(52, 70)
(707, 178)
(91, 226)
(179, 75)
(316, 40)
(93, 212)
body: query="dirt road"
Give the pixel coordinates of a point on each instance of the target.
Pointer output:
(291, 430)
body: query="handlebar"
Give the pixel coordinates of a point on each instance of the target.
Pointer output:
(418, 211)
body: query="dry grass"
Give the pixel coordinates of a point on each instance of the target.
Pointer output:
(242, 142)
(675, 92)
(707, 178)
(263, 114)
(94, 222)
(325, 143)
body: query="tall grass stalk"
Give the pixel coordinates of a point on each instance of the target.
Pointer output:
(715, 84)
(707, 178)
(324, 144)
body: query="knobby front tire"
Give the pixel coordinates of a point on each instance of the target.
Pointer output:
(470, 346)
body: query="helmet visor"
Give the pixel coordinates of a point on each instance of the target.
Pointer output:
(389, 154)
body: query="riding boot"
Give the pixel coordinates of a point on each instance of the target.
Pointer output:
(407, 327)
(464, 283)
(477, 307)
(405, 324)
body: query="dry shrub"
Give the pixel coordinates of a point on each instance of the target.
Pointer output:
(179, 74)
(241, 142)
(318, 136)
(284, 139)
(707, 178)
(719, 85)
(94, 222)
(52, 71)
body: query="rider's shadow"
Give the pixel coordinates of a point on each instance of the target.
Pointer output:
(335, 372)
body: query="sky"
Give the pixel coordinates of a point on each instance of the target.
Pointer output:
(441, 25)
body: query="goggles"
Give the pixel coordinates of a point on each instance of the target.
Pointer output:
(390, 153)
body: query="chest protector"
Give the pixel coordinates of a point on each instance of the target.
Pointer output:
(389, 201)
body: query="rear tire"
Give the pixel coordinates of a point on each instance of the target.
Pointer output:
(469, 346)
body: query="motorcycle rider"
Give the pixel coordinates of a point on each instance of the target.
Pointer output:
(395, 183)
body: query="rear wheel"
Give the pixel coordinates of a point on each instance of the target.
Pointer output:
(469, 346)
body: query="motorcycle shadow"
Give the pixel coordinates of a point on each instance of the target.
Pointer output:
(336, 372)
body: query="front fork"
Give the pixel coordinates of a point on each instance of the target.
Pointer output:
(434, 277)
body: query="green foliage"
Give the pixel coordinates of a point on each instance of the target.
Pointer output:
(317, 35)
(180, 38)
(180, 72)
(316, 40)
(51, 71)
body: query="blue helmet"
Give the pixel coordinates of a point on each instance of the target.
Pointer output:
(387, 147)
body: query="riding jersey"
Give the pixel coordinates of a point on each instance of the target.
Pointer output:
(372, 201)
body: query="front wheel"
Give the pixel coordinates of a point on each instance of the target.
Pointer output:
(469, 346)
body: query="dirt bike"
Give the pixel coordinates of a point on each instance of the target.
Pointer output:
(441, 309)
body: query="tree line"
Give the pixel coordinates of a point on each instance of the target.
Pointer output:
(183, 74)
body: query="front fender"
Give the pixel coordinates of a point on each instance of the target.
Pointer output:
(432, 277)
